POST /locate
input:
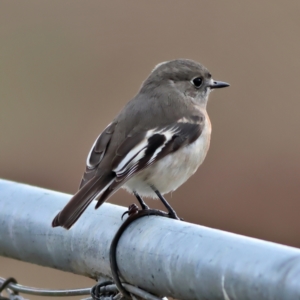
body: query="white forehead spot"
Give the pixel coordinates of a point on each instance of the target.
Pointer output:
(160, 64)
(211, 82)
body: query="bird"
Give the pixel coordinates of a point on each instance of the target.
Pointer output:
(156, 142)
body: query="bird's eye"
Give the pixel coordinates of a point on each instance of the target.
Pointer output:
(197, 82)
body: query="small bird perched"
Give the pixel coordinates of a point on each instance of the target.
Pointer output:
(157, 141)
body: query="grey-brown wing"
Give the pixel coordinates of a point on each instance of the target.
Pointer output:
(97, 153)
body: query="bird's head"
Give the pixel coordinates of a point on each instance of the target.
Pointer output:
(183, 76)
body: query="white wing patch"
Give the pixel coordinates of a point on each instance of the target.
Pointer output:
(90, 153)
(133, 153)
(92, 149)
(129, 163)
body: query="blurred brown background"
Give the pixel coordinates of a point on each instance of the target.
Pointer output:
(68, 67)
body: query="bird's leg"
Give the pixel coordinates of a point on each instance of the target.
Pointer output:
(141, 201)
(171, 211)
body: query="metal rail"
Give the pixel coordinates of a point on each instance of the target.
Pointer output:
(163, 256)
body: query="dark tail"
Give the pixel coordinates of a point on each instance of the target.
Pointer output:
(81, 200)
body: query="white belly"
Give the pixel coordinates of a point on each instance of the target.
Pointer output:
(173, 170)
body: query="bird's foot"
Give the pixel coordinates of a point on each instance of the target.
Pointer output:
(173, 215)
(132, 210)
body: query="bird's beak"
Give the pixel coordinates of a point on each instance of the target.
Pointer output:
(218, 84)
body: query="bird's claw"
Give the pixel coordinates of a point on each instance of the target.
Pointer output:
(132, 210)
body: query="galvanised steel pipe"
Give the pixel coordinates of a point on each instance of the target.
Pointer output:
(163, 256)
